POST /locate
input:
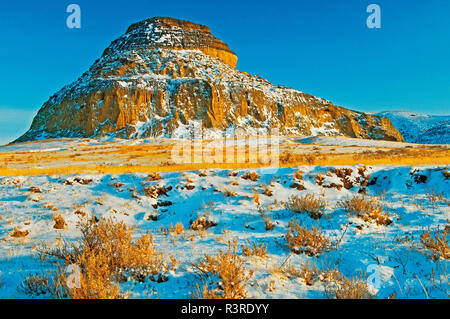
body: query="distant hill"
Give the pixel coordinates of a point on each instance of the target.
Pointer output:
(420, 128)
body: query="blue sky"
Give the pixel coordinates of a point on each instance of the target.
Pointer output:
(322, 47)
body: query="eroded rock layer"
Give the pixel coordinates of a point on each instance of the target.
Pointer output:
(166, 76)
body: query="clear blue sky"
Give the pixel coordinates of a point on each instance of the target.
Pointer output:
(322, 47)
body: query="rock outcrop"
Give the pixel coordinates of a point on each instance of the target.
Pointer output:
(166, 76)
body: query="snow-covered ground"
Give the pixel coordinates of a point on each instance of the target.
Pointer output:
(392, 253)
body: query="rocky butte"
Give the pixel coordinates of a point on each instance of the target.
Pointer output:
(164, 77)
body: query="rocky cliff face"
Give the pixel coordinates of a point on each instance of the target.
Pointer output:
(165, 76)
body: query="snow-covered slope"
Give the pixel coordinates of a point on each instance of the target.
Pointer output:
(403, 264)
(421, 128)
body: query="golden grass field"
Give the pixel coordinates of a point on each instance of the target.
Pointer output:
(110, 157)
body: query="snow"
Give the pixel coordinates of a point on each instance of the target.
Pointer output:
(381, 248)
(421, 128)
(348, 141)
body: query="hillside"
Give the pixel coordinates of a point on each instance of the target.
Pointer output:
(420, 128)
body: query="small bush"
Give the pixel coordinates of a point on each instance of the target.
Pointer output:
(310, 204)
(255, 250)
(106, 255)
(18, 233)
(202, 223)
(345, 288)
(177, 230)
(231, 275)
(368, 209)
(301, 240)
(51, 285)
(268, 191)
(446, 174)
(60, 223)
(229, 193)
(437, 245)
(253, 176)
(298, 175)
(154, 177)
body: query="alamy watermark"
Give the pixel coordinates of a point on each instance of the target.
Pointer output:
(73, 280)
(73, 21)
(240, 148)
(374, 19)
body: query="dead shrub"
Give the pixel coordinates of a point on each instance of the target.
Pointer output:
(301, 240)
(153, 177)
(253, 176)
(309, 203)
(298, 175)
(60, 223)
(202, 223)
(437, 245)
(107, 255)
(345, 288)
(18, 233)
(157, 191)
(51, 285)
(269, 224)
(446, 174)
(229, 193)
(226, 273)
(177, 230)
(319, 179)
(255, 250)
(368, 209)
(268, 191)
(34, 189)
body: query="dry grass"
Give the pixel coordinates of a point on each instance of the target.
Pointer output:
(309, 203)
(114, 159)
(228, 193)
(107, 255)
(253, 176)
(48, 285)
(202, 223)
(60, 223)
(18, 233)
(267, 191)
(345, 288)
(369, 209)
(154, 177)
(255, 250)
(310, 242)
(177, 230)
(228, 274)
(298, 176)
(438, 244)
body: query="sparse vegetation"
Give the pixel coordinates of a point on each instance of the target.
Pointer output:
(18, 233)
(47, 284)
(107, 255)
(253, 176)
(226, 275)
(202, 223)
(309, 203)
(255, 250)
(60, 223)
(438, 244)
(369, 209)
(345, 288)
(310, 242)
